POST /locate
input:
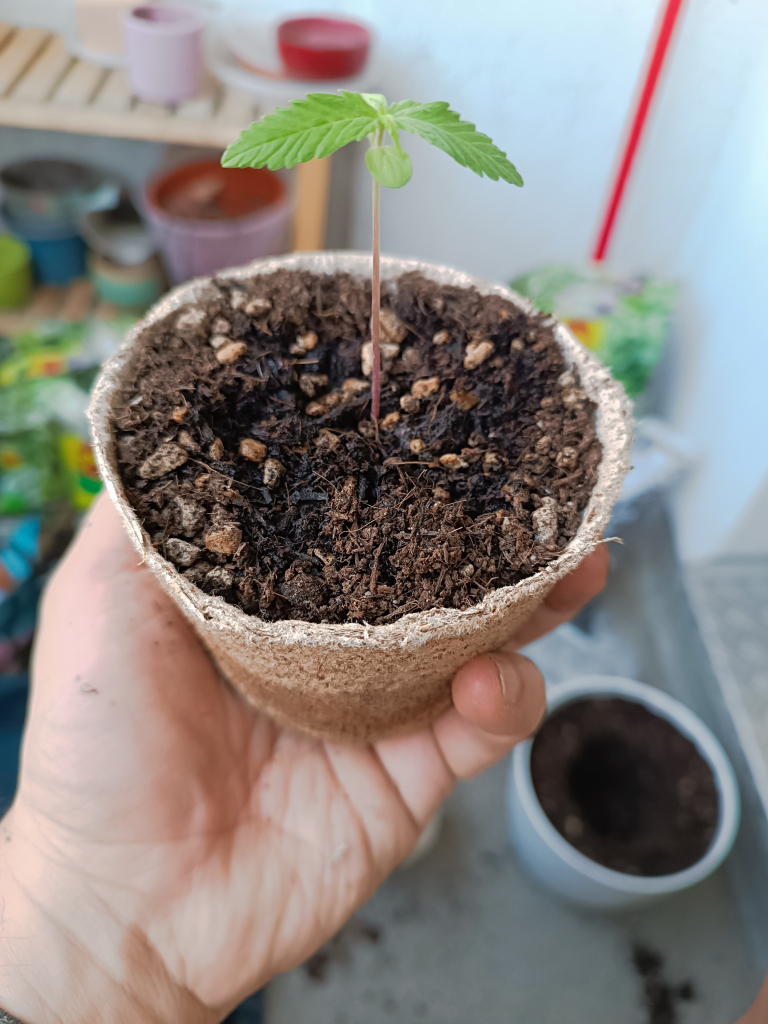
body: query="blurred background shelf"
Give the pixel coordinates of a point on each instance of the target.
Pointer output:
(42, 86)
(72, 303)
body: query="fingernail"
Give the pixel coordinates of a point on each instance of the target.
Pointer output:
(510, 679)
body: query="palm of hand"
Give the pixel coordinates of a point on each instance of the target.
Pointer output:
(229, 848)
(238, 836)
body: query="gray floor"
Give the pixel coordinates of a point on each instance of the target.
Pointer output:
(465, 936)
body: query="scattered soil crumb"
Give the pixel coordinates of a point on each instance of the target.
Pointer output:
(659, 995)
(338, 950)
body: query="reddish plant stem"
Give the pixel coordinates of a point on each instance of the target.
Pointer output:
(375, 304)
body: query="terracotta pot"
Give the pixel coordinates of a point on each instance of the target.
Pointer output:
(253, 215)
(355, 682)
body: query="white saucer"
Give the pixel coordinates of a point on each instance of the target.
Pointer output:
(76, 49)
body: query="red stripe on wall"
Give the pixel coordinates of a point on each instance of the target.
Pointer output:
(639, 119)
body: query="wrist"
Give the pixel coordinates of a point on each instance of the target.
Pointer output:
(66, 958)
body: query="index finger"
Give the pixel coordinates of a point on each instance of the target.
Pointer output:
(567, 597)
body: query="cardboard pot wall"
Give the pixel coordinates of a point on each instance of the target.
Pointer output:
(355, 682)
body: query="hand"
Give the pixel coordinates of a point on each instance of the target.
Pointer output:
(169, 848)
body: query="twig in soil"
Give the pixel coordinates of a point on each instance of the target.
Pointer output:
(388, 463)
(329, 482)
(486, 586)
(434, 411)
(231, 479)
(375, 569)
(568, 479)
(364, 526)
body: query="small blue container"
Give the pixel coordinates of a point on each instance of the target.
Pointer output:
(58, 251)
(57, 260)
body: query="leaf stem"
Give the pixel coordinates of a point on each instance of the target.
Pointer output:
(375, 304)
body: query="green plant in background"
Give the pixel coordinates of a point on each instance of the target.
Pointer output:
(623, 320)
(325, 122)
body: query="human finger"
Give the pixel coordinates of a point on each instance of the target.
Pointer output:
(566, 598)
(498, 700)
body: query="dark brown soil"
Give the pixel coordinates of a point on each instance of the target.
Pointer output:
(265, 481)
(624, 787)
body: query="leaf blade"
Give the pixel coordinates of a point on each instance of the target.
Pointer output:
(442, 127)
(306, 129)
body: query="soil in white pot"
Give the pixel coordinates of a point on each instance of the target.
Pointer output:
(625, 787)
(247, 449)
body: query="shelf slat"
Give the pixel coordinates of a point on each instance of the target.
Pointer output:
(18, 54)
(202, 107)
(45, 72)
(237, 108)
(114, 97)
(79, 86)
(6, 31)
(154, 110)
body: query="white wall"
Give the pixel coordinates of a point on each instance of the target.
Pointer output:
(551, 82)
(722, 400)
(698, 211)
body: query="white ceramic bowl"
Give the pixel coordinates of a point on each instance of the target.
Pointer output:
(552, 860)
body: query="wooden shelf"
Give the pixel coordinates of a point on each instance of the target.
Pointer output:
(42, 86)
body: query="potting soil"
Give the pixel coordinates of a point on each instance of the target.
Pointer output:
(624, 787)
(247, 449)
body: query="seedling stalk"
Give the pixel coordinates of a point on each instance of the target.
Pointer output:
(322, 123)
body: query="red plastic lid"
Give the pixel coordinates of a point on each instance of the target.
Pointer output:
(323, 47)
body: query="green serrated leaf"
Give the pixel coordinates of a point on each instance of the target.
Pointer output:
(313, 127)
(389, 166)
(442, 127)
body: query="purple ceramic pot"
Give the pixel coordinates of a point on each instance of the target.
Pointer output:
(164, 47)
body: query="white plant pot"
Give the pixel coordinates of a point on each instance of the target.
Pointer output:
(553, 861)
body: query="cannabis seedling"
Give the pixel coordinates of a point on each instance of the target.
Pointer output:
(324, 122)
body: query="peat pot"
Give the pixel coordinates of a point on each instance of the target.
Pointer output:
(355, 682)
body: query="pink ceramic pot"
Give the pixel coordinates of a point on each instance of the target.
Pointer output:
(164, 47)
